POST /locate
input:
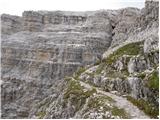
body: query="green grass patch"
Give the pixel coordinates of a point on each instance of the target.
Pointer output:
(79, 72)
(41, 114)
(100, 68)
(76, 94)
(119, 112)
(90, 74)
(116, 74)
(97, 102)
(94, 103)
(141, 75)
(68, 78)
(97, 62)
(153, 81)
(73, 87)
(147, 107)
(129, 49)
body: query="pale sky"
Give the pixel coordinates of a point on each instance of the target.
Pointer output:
(16, 7)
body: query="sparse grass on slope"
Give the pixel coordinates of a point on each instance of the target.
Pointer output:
(79, 72)
(119, 112)
(147, 107)
(153, 82)
(129, 49)
(76, 94)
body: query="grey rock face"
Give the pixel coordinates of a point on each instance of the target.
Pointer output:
(40, 48)
(32, 21)
(124, 24)
(141, 63)
(37, 58)
(122, 62)
(150, 14)
(10, 24)
(136, 87)
(151, 44)
(137, 65)
(131, 21)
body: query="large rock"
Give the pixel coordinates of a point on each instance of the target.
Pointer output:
(151, 44)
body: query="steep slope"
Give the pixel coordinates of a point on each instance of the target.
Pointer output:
(131, 73)
(82, 100)
(124, 85)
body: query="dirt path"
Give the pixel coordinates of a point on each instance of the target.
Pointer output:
(121, 102)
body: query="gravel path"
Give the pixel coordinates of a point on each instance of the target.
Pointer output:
(121, 102)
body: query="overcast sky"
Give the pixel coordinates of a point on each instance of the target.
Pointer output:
(16, 7)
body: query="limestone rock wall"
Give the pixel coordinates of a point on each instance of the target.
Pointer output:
(123, 23)
(10, 24)
(47, 47)
(32, 21)
(129, 22)
(36, 21)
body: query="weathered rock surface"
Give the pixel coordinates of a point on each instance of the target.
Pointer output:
(130, 22)
(123, 25)
(43, 52)
(10, 24)
(41, 48)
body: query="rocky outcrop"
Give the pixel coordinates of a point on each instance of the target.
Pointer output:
(151, 44)
(131, 21)
(139, 64)
(149, 15)
(123, 25)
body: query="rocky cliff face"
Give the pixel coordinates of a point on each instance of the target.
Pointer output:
(49, 46)
(41, 48)
(10, 24)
